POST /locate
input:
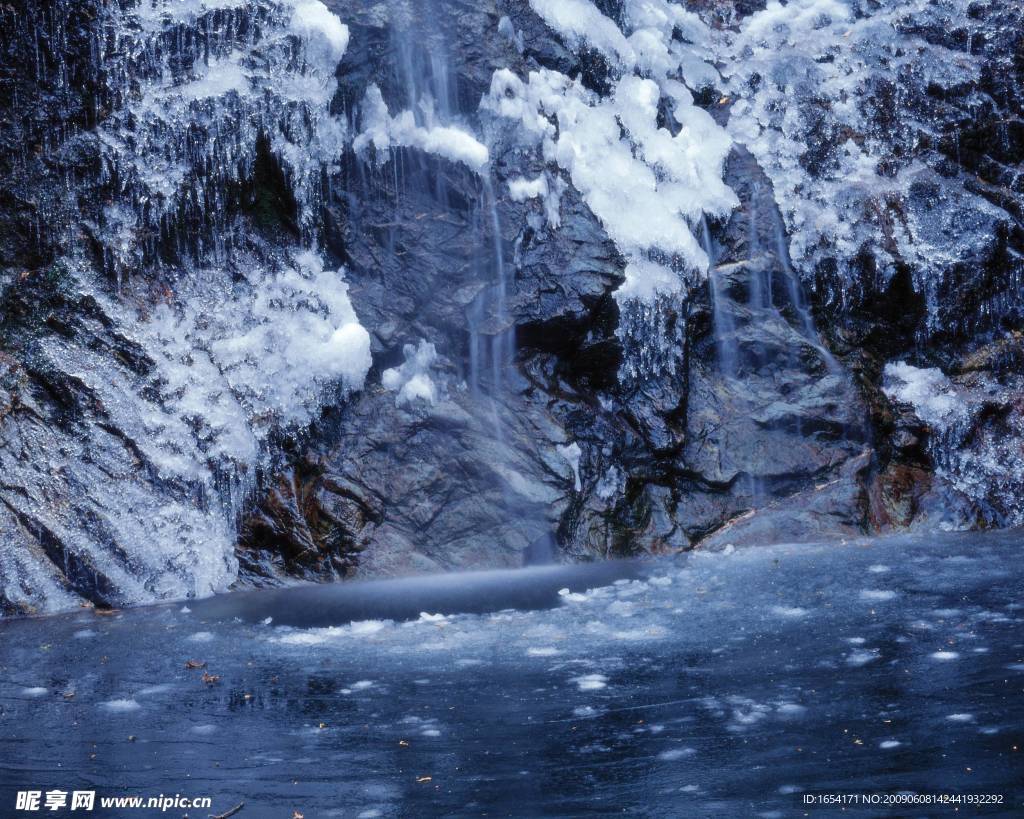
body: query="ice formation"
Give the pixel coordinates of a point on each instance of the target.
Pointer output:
(411, 381)
(928, 391)
(547, 188)
(245, 338)
(572, 455)
(832, 100)
(650, 186)
(382, 132)
(985, 464)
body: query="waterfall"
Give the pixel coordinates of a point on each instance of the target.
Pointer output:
(723, 321)
(796, 296)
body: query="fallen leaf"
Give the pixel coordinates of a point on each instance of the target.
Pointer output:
(210, 679)
(191, 664)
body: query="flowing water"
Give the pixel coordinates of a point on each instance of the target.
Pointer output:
(712, 685)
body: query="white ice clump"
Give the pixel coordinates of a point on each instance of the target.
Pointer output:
(572, 454)
(862, 657)
(546, 188)
(325, 35)
(877, 595)
(382, 132)
(675, 754)
(412, 379)
(579, 22)
(928, 391)
(591, 682)
(266, 351)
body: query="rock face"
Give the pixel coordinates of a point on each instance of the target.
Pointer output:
(180, 366)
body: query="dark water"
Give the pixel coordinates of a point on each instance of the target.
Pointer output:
(718, 685)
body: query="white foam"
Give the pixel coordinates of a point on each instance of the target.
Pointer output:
(676, 753)
(862, 657)
(591, 682)
(789, 611)
(121, 706)
(877, 595)
(152, 690)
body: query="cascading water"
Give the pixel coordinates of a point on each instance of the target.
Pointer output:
(723, 321)
(425, 82)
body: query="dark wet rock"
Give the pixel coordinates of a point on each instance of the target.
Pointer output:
(835, 509)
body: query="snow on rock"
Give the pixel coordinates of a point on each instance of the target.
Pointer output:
(986, 468)
(240, 339)
(412, 379)
(572, 454)
(580, 21)
(928, 391)
(546, 188)
(382, 131)
(835, 100)
(648, 187)
(326, 37)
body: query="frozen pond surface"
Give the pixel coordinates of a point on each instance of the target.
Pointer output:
(714, 685)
